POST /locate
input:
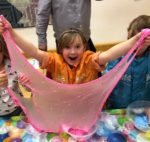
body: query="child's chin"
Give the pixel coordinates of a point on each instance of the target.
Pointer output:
(71, 64)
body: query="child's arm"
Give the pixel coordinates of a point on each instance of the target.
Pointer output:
(24, 45)
(118, 50)
(28, 47)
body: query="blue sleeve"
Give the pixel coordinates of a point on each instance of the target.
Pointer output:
(112, 64)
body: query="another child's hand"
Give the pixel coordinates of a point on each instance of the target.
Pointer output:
(147, 42)
(24, 81)
(145, 45)
(3, 79)
(4, 24)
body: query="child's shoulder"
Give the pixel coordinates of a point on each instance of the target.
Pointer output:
(88, 52)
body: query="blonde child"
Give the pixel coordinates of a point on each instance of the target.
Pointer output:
(74, 64)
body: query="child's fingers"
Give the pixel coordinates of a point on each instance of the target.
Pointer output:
(3, 71)
(3, 75)
(147, 38)
(24, 80)
(1, 29)
(4, 24)
(3, 80)
(3, 84)
(146, 42)
(1, 24)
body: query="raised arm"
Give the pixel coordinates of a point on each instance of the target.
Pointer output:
(119, 50)
(27, 47)
(23, 44)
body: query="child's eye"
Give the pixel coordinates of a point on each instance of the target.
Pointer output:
(78, 46)
(67, 47)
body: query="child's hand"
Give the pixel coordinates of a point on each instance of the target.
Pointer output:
(3, 79)
(24, 81)
(145, 45)
(4, 24)
(147, 41)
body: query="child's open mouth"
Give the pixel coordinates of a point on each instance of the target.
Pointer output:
(72, 58)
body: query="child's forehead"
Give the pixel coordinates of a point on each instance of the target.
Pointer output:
(76, 39)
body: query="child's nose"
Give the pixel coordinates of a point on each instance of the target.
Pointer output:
(73, 50)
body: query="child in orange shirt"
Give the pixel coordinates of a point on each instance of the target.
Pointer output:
(74, 64)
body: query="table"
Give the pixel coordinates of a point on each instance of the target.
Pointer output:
(18, 129)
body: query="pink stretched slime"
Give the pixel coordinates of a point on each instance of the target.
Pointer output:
(54, 105)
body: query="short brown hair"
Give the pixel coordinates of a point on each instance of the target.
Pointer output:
(68, 37)
(137, 24)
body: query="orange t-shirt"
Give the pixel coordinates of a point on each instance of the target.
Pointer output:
(61, 71)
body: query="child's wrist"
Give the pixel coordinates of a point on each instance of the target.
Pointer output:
(138, 36)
